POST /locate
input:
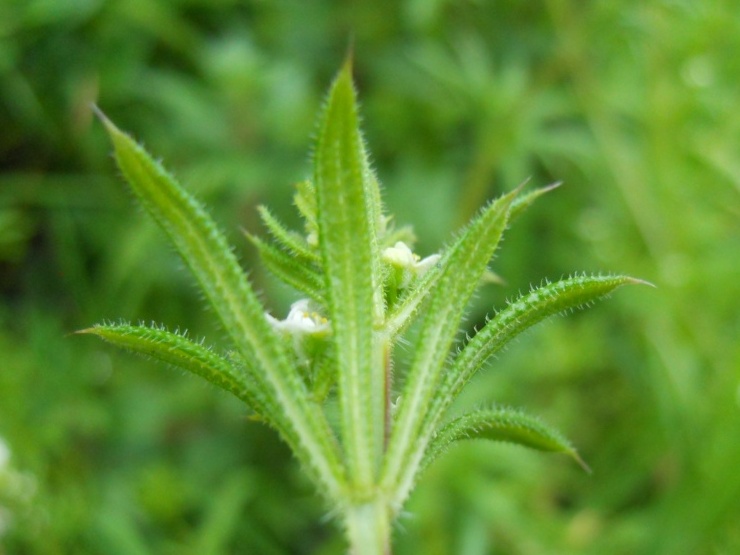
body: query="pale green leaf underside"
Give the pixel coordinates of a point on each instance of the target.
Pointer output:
(500, 424)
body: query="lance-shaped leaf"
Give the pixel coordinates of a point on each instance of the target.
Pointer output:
(500, 424)
(345, 196)
(305, 200)
(177, 350)
(520, 315)
(286, 239)
(462, 268)
(410, 305)
(520, 205)
(205, 251)
(293, 269)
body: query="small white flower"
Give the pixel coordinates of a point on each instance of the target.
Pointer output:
(401, 256)
(300, 320)
(425, 263)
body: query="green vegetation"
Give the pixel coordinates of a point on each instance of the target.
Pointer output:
(630, 104)
(335, 350)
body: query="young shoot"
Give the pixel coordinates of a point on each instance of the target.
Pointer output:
(359, 285)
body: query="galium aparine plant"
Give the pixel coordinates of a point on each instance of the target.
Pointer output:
(361, 287)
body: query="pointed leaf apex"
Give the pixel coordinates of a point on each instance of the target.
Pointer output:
(110, 127)
(344, 77)
(636, 281)
(581, 462)
(552, 186)
(519, 188)
(349, 58)
(98, 112)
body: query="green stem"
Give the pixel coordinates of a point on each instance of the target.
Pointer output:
(368, 527)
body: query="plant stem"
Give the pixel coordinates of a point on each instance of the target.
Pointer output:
(368, 527)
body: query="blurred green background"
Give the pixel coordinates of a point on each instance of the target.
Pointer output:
(633, 104)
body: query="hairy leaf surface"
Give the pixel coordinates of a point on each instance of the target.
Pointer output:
(179, 351)
(345, 195)
(206, 252)
(461, 269)
(294, 270)
(499, 424)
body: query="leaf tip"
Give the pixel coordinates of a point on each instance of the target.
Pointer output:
(98, 112)
(349, 57)
(579, 460)
(115, 134)
(551, 186)
(519, 188)
(105, 120)
(637, 281)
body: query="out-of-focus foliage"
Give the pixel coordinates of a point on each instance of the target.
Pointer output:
(631, 104)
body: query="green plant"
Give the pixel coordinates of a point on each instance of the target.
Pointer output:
(324, 377)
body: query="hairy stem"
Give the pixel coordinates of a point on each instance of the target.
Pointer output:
(368, 527)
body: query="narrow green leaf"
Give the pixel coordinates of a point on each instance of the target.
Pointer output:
(500, 424)
(411, 304)
(351, 261)
(516, 317)
(520, 315)
(288, 240)
(177, 350)
(206, 252)
(525, 201)
(461, 269)
(294, 270)
(305, 201)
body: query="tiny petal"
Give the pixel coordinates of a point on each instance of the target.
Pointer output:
(399, 255)
(300, 320)
(424, 264)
